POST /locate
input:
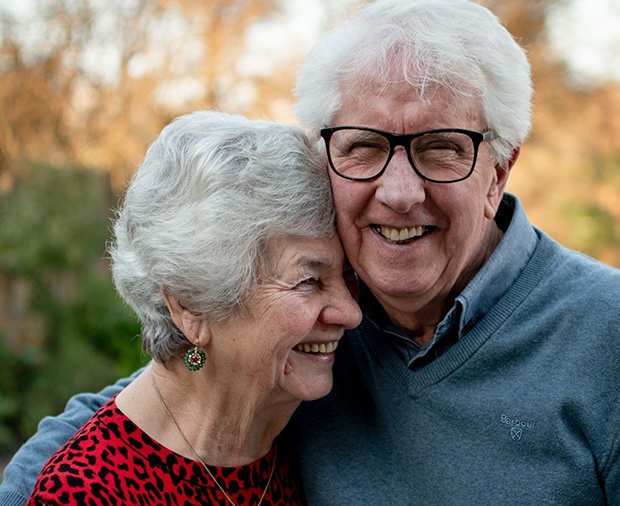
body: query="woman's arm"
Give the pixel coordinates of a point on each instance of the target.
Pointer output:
(22, 472)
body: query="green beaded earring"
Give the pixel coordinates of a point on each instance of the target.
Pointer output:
(195, 359)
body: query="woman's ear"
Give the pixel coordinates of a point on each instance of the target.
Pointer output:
(193, 325)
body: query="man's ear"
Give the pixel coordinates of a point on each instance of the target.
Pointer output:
(194, 326)
(497, 188)
(508, 166)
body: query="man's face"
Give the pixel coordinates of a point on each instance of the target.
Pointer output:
(455, 220)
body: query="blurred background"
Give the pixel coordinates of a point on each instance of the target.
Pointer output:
(85, 86)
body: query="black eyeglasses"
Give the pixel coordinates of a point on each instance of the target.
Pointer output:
(447, 155)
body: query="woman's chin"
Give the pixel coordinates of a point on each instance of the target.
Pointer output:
(308, 378)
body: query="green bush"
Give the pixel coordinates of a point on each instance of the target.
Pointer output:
(53, 231)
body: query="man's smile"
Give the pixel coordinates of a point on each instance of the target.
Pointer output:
(399, 235)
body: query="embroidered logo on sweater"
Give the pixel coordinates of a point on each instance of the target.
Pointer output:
(517, 426)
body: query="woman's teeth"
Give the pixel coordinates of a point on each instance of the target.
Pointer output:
(317, 348)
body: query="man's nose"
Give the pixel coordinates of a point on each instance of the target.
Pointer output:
(400, 187)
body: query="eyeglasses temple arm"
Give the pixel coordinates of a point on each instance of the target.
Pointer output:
(489, 135)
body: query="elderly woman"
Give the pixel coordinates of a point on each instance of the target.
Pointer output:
(225, 247)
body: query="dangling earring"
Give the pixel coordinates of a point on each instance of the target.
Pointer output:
(195, 359)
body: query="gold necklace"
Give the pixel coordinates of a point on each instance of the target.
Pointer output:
(275, 455)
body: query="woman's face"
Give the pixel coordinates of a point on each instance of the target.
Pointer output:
(283, 346)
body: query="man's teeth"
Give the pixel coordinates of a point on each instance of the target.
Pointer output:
(401, 234)
(317, 348)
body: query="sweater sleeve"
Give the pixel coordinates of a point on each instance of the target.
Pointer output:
(22, 472)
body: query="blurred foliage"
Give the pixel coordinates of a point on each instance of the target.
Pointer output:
(595, 215)
(53, 229)
(51, 219)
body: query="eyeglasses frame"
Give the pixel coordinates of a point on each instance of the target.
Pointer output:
(405, 140)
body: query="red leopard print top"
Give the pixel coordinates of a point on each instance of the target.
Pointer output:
(110, 461)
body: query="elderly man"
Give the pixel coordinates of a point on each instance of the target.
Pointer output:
(486, 369)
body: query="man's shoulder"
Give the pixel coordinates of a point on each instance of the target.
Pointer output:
(580, 268)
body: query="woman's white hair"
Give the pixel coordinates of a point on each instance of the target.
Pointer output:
(197, 215)
(456, 45)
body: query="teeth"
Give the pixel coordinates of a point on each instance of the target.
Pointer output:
(402, 234)
(317, 348)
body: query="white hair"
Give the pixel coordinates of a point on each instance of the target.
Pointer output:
(197, 215)
(456, 45)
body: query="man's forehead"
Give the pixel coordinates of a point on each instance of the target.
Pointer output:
(398, 107)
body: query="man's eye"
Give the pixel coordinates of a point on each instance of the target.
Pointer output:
(440, 145)
(365, 146)
(308, 282)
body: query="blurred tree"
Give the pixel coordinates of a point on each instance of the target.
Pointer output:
(53, 227)
(73, 329)
(576, 135)
(90, 83)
